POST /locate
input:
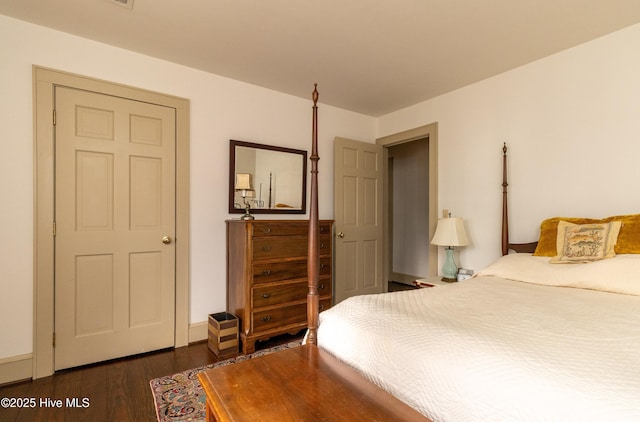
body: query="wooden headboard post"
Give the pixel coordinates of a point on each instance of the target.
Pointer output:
(505, 212)
(506, 246)
(313, 259)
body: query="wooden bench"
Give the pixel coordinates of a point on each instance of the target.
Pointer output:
(298, 384)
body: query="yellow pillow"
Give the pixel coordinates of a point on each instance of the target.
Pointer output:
(578, 243)
(628, 239)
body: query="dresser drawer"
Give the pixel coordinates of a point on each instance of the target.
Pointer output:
(324, 287)
(325, 266)
(278, 247)
(277, 271)
(291, 270)
(279, 293)
(286, 292)
(324, 244)
(324, 228)
(270, 228)
(325, 304)
(274, 318)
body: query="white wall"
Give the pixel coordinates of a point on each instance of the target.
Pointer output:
(572, 125)
(221, 109)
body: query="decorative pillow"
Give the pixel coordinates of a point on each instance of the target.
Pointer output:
(549, 234)
(628, 239)
(578, 243)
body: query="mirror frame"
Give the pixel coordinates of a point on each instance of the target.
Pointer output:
(232, 172)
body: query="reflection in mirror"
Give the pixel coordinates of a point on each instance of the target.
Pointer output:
(266, 179)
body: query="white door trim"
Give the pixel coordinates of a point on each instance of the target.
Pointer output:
(43, 82)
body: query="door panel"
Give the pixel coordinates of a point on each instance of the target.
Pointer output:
(358, 184)
(94, 294)
(94, 191)
(114, 203)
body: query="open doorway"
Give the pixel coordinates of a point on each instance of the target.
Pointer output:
(411, 198)
(408, 205)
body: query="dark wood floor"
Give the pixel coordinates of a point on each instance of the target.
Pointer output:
(114, 391)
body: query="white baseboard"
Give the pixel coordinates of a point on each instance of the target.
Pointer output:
(198, 331)
(16, 368)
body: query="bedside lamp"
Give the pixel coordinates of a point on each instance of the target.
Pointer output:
(449, 233)
(243, 185)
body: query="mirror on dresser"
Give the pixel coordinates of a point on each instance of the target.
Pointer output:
(270, 179)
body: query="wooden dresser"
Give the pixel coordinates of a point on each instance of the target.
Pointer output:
(267, 276)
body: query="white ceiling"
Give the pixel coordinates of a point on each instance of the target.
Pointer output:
(368, 56)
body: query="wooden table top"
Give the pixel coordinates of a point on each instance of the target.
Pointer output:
(298, 384)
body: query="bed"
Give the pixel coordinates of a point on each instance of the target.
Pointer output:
(524, 340)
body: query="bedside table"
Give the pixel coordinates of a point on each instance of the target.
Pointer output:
(432, 281)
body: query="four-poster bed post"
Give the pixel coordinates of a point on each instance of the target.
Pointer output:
(313, 261)
(505, 213)
(506, 246)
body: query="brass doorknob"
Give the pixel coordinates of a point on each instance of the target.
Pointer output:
(341, 235)
(166, 240)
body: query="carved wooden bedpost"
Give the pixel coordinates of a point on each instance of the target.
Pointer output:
(505, 214)
(313, 261)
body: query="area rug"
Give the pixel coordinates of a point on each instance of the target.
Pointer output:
(180, 397)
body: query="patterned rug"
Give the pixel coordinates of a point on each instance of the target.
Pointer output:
(180, 397)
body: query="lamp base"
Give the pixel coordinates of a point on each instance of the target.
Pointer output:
(449, 280)
(247, 211)
(449, 269)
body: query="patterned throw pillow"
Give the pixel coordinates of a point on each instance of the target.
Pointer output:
(579, 243)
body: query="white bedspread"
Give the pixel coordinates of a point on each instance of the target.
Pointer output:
(491, 349)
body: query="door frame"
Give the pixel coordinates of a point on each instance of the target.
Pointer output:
(44, 80)
(427, 131)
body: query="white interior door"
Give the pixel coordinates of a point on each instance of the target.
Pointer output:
(115, 222)
(358, 211)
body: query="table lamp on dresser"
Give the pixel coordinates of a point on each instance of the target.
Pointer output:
(243, 185)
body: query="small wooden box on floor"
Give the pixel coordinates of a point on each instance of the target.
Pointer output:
(223, 334)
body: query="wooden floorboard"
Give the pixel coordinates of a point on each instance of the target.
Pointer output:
(114, 391)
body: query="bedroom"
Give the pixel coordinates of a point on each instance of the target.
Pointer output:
(580, 105)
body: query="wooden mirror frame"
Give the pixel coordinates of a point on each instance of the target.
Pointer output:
(233, 144)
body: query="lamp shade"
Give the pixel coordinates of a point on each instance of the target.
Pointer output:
(450, 232)
(243, 181)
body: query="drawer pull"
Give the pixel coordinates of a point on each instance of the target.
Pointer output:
(323, 266)
(266, 295)
(266, 272)
(266, 230)
(321, 286)
(266, 248)
(322, 245)
(266, 318)
(322, 307)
